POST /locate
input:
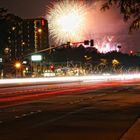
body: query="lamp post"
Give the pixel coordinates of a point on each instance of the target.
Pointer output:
(35, 59)
(18, 68)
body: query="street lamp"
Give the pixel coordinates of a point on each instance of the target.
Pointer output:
(18, 68)
(39, 30)
(18, 65)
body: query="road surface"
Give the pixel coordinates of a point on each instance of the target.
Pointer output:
(72, 111)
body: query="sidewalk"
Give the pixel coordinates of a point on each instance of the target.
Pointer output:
(133, 133)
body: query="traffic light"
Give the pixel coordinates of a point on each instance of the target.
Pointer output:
(68, 44)
(52, 67)
(91, 42)
(131, 52)
(43, 23)
(86, 42)
(119, 46)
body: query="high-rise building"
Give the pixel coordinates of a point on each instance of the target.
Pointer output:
(35, 35)
(28, 36)
(24, 37)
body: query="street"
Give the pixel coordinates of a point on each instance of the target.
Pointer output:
(103, 110)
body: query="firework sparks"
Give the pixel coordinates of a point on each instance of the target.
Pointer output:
(67, 21)
(106, 44)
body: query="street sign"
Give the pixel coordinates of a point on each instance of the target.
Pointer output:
(36, 57)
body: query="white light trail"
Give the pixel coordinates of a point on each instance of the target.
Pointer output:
(89, 78)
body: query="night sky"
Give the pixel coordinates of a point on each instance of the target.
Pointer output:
(105, 23)
(25, 8)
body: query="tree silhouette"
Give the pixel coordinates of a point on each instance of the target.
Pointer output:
(130, 10)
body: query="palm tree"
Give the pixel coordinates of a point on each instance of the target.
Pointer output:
(130, 10)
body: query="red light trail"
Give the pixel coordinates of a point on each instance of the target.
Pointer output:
(32, 95)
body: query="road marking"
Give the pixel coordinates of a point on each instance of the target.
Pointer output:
(23, 115)
(28, 114)
(88, 98)
(39, 111)
(32, 112)
(17, 117)
(63, 116)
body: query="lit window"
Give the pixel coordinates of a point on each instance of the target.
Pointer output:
(13, 28)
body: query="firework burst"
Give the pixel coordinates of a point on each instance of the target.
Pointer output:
(67, 21)
(106, 44)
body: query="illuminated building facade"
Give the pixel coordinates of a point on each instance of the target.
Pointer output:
(24, 37)
(27, 36)
(35, 35)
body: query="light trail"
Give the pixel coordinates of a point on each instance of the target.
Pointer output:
(70, 90)
(33, 95)
(90, 78)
